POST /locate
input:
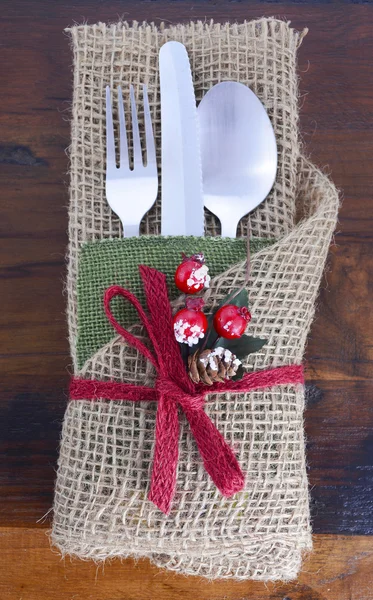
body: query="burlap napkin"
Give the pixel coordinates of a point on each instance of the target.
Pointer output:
(101, 508)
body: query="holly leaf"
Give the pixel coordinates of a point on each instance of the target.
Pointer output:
(185, 351)
(242, 346)
(192, 349)
(240, 298)
(239, 374)
(211, 333)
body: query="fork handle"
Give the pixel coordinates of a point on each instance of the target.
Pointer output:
(131, 230)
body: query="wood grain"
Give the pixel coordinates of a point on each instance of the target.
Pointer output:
(336, 87)
(340, 568)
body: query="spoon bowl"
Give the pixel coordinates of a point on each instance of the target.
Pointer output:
(238, 153)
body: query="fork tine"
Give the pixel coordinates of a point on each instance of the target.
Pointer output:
(110, 144)
(149, 135)
(123, 142)
(137, 155)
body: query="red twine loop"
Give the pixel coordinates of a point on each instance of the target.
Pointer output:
(174, 388)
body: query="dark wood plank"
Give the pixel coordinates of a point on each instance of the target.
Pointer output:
(340, 568)
(338, 423)
(336, 123)
(340, 346)
(30, 422)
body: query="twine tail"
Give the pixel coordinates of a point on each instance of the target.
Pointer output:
(218, 458)
(166, 452)
(167, 349)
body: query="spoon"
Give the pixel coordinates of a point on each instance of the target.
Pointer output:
(238, 153)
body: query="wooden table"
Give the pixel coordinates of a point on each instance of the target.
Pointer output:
(335, 66)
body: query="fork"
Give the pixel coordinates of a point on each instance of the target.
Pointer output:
(130, 192)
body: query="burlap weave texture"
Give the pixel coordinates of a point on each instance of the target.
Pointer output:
(100, 506)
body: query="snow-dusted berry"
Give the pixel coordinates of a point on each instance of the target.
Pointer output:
(190, 323)
(230, 321)
(192, 274)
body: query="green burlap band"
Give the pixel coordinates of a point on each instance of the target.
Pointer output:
(115, 261)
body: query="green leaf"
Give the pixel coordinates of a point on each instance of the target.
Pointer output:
(239, 374)
(211, 333)
(184, 350)
(242, 346)
(192, 349)
(238, 298)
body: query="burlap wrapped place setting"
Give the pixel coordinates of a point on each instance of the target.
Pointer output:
(101, 508)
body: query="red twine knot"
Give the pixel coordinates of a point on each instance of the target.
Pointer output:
(173, 387)
(173, 392)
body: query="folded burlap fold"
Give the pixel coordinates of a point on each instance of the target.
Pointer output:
(101, 508)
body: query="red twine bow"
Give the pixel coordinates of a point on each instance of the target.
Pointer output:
(174, 388)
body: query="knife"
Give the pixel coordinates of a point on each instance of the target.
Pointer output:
(182, 197)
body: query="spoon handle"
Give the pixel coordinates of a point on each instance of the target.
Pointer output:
(228, 228)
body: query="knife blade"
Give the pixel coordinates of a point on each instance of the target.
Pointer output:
(182, 194)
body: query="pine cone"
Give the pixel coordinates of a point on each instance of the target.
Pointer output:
(211, 366)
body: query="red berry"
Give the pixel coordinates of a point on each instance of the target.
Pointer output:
(190, 323)
(192, 274)
(230, 321)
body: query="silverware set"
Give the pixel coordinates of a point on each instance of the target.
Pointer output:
(222, 155)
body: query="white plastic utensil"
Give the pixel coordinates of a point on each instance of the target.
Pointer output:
(182, 198)
(238, 152)
(130, 192)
